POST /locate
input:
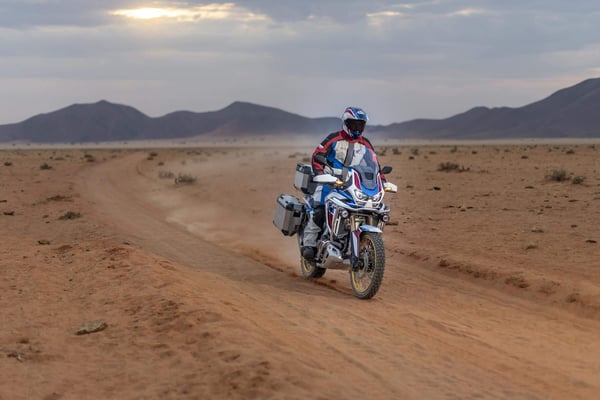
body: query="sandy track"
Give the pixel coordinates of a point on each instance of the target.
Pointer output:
(424, 336)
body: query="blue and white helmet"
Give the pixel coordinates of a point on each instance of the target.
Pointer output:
(354, 120)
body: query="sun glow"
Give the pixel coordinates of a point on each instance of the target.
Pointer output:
(151, 13)
(206, 12)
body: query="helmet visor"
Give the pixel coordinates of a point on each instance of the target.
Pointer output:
(355, 125)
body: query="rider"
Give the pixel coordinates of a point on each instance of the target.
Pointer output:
(335, 148)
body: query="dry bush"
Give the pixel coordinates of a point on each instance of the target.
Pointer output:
(7, 163)
(517, 281)
(558, 175)
(70, 215)
(45, 166)
(59, 197)
(184, 179)
(577, 180)
(450, 166)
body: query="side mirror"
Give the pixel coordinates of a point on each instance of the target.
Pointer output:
(386, 170)
(321, 159)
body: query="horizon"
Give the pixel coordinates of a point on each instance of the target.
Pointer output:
(276, 107)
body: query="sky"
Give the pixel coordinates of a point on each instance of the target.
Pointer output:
(398, 60)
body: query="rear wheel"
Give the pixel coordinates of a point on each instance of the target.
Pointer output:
(366, 280)
(309, 270)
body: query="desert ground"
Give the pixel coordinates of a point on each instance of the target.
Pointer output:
(491, 289)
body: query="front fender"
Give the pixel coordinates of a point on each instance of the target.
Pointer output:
(370, 228)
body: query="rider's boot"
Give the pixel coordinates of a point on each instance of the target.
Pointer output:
(309, 252)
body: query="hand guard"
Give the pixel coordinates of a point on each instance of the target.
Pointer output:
(390, 187)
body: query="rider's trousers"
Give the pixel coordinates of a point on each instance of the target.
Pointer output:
(312, 229)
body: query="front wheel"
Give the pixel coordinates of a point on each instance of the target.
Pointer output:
(366, 280)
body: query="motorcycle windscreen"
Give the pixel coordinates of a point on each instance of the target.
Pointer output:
(365, 163)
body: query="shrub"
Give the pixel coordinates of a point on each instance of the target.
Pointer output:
(70, 215)
(184, 179)
(7, 163)
(557, 175)
(58, 197)
(577, 180)
(450, 166)
(516, 280)
(45, 166)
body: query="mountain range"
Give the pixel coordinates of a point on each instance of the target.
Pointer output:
(572, 112)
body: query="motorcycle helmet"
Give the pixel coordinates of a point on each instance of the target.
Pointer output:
(354, 120)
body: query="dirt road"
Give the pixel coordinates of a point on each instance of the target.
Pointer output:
(426, 335)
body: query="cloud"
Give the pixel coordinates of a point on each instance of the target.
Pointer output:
(432, 58)
(467, 12)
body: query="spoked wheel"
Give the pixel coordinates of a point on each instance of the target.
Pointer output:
(307, 269)
(366, 280)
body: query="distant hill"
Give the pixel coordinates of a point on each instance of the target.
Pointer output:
(569, 113)
(105, 121)
(573, 112)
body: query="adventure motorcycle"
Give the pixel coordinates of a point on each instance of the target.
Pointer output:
(352, 220)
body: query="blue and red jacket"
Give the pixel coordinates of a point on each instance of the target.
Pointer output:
(334, 148)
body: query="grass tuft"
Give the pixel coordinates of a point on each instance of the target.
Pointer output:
(70, 215)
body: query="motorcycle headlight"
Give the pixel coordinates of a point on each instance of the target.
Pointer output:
(360, 195)
(377, 198)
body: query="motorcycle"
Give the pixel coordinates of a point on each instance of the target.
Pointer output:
(352, 219)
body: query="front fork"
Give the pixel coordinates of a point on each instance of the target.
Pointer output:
(355, 259)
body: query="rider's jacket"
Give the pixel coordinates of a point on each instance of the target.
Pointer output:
(335, 146)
